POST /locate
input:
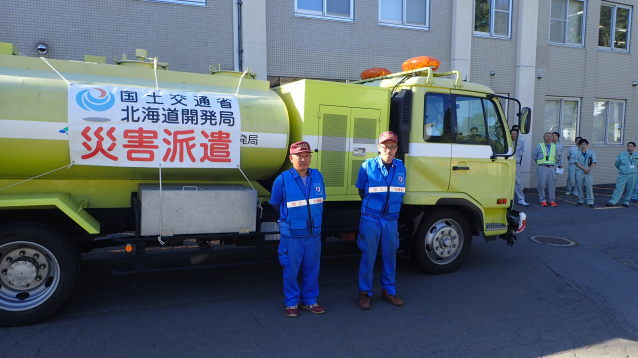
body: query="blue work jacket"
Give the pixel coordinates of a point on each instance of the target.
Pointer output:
(586, 159)
(626, 163)
(300, 206)
(384, 189)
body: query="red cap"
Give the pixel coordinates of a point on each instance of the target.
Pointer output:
(389, 135)
(300, 147)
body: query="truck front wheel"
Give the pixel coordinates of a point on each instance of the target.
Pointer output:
(442, 241)
(38, 269)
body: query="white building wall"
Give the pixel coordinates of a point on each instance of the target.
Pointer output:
(300, 46)
(189, 38)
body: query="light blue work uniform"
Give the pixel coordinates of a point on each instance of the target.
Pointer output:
(546, 159)
(584, 181)
(627, 164)
(559, 157)
(380, 208)
(300, 215)
(520, 151)
(571, 171)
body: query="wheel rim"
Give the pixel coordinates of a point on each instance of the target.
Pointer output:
(444, 241)
(29, 275)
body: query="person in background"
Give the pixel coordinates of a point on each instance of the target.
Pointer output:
(520, 150)
(572, 189)
(585, 162)
(627, 165)
(546, 160)
(299, 193)
(381, 184)
(559, 153)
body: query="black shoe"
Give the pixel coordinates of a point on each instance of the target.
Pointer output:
(625, 205)
(579, 204)
(609, 205)
(591, 205)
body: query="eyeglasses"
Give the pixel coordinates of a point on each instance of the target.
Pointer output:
(302, 155)
(388, 147)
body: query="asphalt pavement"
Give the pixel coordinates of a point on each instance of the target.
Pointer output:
(529, 300)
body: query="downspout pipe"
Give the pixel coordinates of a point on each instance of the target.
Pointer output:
(240, 48)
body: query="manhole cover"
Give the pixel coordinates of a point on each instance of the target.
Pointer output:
(553, 241)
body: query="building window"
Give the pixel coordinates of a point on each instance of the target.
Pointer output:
(411, 13)
(567, 22)
(492, 18)
(562, 115)
(183, 2)
(335, 9)
(609, 117)
(614, 28)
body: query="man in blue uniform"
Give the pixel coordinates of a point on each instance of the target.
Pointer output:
(585, 162)
(381, 184)
(572, 189)
(520, 151)
(559, 154)
(627, 164)
(299, 193)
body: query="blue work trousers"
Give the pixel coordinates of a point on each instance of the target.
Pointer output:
(546, 186)
(300, 254)
(585, 185)
(372, 233)
(624, 185)
(572, 188)
(518, 186)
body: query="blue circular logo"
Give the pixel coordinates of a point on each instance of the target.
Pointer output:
(95, 99)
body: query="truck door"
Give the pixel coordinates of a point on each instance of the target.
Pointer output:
(347, 137)
(428, 159)
(479, 133)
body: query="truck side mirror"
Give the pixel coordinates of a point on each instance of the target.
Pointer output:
(525, 120)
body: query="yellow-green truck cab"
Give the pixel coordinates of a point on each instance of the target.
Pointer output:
(454, 141)
(72, 184)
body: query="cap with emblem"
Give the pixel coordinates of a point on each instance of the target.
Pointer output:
(300, 147)
(389, 135)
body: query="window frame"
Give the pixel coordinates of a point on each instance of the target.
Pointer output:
(491, 33)
(200, 3)
(622, 123)
(612, 30)
(560, 115)
(323, 13)
(583, 25)
(404, 23)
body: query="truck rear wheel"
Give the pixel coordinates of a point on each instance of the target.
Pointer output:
(442, 241)
(38, 269)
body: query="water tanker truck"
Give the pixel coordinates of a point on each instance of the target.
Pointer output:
(138, 158)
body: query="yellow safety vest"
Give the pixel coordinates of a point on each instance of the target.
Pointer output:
(551, 159)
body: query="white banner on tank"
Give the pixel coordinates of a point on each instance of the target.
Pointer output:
(15, 129)
(144, 127)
